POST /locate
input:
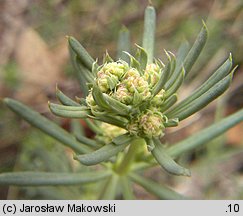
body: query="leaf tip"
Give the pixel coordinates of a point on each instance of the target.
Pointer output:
(205, 28)
(230, 57)
(6, 100)
(187, 172)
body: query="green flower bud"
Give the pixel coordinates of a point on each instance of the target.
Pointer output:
(133, 128)
(151, 124)
(136, 84)
(158, 99)
(148, 124)
(91, 103)
(123, 95)
(102, 81)
(109, 75)
(152, 74)
(109, 132)
(90, 100)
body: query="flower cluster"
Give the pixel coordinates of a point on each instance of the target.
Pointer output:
(133, 88)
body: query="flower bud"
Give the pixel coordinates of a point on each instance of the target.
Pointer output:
(152, 74)
(110, 74)
(151, 124)
(109, 132)
(123, 95)
(158, 99)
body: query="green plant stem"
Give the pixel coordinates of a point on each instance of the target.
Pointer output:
(128, 159)
(110, 190)
(127, 190)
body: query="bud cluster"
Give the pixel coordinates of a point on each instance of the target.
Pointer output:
(130, 87)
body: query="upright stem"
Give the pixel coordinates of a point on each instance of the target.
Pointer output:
(125, 164)
(149, 32)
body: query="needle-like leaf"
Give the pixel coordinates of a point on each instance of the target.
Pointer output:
(122, 139)
(116, 106)
(160, 154)
(87, 141)
(65, 100)
(84, 72)
(191, 57)
(69, 111)
(127, 190)
(161, 191)
(45, 125)
(149, 32)
(82, 82)
(214, 92)
(204, 136)
(82, 54)
(100, 155)
(123, 44)
(110, 190)
(196, 49)
(218, 75)
(168, 102)
(51, 179)
(162, 80)
(99, 98)
(133, 62)
(142, 57)
(176, 84)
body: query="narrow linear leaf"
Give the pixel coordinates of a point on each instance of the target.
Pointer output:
(122, 139)
(65, 100)
(45, 125)
(76, 127)
(161, 191)
(196, 105)
(175, 85)
(116, 105)
(95, 67)
(114, 120)
(51, 179)
(87, 141)
(162, 80)
(100, 155)
(73, 112)
(107, 58)
(68, 108)
(169, 102)
(166, 162)
(84, 72)
(124, 44)
(133, 62)
(82, 82)
(143, 57)
(172, 122)
(94, 127)
(110, 189)
(204, 136)
(172, 59)
(196, 49)
(127, 190)
(191, 57)
(83, 55)
(81, 101)
(181, 54)
(218, 75)
(99, 98)
(149, 32)
(150, 144)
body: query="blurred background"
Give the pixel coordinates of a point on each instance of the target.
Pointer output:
(34, 58)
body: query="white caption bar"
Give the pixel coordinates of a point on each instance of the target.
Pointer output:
(121, 208)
